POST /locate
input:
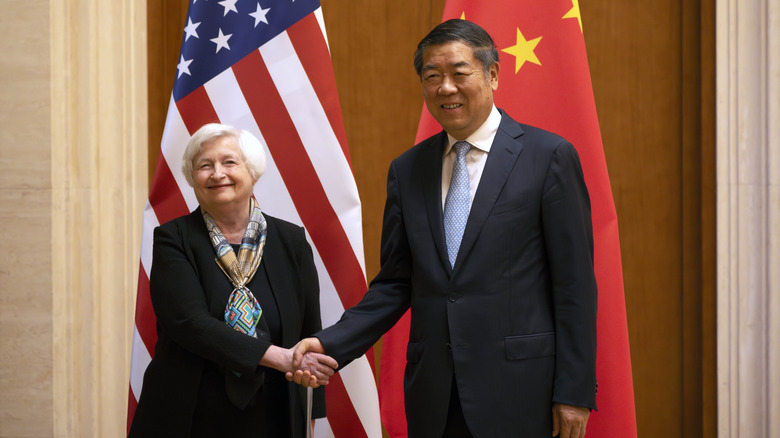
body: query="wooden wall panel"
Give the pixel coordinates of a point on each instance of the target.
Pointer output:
(648, 67)
(636, 81)
(165, 26)
(708, 375)
(372, 44)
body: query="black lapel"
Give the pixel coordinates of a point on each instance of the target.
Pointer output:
(216, 285)
(428, 169)
(279, 278)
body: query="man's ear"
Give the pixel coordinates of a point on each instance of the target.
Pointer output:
(493, 75)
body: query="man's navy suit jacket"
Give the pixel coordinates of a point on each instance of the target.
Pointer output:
(514, 321)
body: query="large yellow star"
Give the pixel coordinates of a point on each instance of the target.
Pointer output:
(574, 12)
(523, 51)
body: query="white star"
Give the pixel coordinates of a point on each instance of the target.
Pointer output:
(259, 15)
(184, 67)
(229, 5)
(189, 30)
(221, 41)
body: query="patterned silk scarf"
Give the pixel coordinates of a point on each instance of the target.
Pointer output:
(242, 311)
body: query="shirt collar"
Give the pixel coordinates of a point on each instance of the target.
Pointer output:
(483, 137)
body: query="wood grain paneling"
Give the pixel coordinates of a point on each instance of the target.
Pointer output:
(636, 81)
(652, 71)
(708, 226)
(165, 23)
(372, 44)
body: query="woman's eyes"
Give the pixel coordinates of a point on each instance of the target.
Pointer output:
(226, 163)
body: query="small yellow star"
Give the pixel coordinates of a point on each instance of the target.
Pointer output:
(523, 51)
(574, 12)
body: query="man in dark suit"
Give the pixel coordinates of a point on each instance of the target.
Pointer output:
(487, 237)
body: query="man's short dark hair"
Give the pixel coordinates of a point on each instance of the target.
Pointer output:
(459, 30)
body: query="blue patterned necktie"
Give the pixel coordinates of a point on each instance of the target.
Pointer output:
(456, 206)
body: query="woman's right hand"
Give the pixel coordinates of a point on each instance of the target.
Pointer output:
(317, 365)
(310, 364)
(310, 370)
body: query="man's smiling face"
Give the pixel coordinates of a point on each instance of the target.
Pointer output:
(457, 90)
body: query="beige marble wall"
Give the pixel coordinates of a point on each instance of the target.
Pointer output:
(25, 214)
(748, 215)
(73, 177)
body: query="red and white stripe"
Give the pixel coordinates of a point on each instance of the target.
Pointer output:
(290, 103)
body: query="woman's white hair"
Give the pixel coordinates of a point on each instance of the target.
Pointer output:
(251, 149)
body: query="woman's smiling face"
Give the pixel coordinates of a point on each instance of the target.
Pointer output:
(221, 175)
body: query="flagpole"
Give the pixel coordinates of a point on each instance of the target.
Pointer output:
(308, 412)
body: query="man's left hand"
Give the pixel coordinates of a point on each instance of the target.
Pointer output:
(569, 421)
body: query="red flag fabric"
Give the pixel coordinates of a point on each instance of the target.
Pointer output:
(544, 81)
(267, 69)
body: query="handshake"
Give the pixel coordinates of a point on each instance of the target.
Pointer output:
(310, 366)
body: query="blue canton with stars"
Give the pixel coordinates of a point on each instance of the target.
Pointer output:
(220, 33)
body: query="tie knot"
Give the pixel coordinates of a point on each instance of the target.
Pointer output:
(461, 148)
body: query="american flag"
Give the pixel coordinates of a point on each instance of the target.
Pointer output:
(265, 66)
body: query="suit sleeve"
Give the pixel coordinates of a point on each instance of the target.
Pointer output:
(182, 312)
(389, 294)
(568, 235)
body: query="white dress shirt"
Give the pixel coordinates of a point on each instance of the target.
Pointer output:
(480, 142)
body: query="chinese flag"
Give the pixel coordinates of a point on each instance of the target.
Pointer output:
(544, 81)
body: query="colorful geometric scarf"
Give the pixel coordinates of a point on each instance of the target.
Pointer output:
(242, 311)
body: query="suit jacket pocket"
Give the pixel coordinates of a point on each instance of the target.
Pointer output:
(530, 346)
(413, 352)
(510, 205)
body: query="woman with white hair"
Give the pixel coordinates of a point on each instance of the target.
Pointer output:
(232, 289)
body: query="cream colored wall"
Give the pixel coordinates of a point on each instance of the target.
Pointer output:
(25, 214)
(748, 215)
(73, 159)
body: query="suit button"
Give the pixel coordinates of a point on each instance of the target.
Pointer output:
(449, 346)
(453, 298)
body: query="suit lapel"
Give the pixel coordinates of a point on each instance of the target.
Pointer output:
(429, 171)
(501, 159)
(278, 278)
(216, 286)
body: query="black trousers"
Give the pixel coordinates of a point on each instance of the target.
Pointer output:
(456, 423)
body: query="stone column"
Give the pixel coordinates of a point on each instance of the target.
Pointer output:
(748, 216)
(98, 177)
